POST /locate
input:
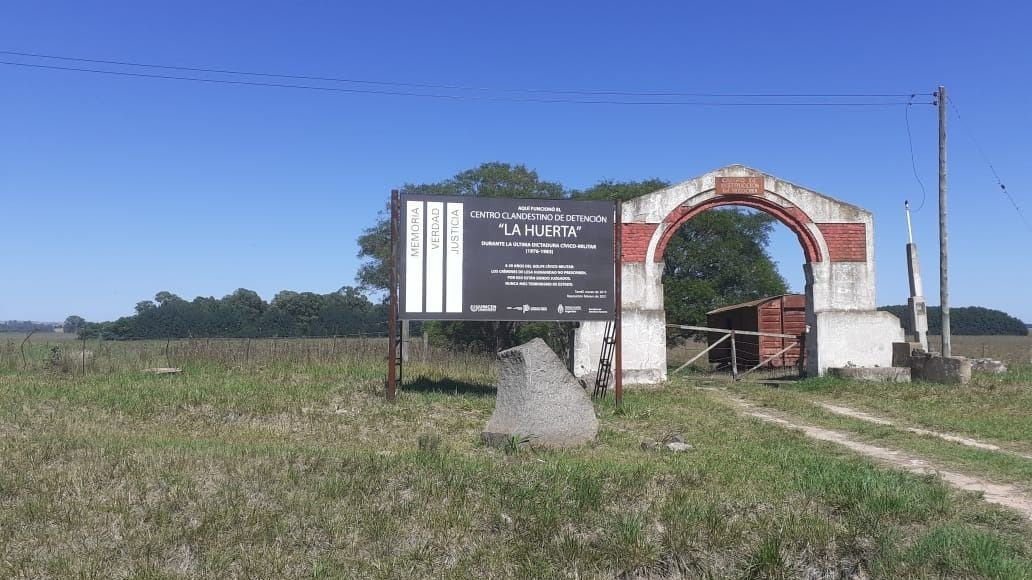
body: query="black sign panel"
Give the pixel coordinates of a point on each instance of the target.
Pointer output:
(477, 258)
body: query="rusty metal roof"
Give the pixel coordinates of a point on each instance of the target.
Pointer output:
(749, 304)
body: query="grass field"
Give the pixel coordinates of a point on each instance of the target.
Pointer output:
(293, 466)
(45, 350)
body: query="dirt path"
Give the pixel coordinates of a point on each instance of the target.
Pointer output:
(1001, 494)
(967, 441)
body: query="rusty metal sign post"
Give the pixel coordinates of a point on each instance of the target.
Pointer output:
(392, 308)
(618, 297)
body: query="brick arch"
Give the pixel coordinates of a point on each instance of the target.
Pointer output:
(793, 218)
(837, 242)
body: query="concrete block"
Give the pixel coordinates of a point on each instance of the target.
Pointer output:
(857, 338)
(902, 353)
(935, 368)
(877, 374)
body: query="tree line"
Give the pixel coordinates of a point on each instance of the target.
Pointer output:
(966, 320)
(26, 326)
(244, 313)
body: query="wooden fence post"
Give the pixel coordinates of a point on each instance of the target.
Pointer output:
(734, 359)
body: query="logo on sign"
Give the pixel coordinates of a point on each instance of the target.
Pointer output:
(560, 309)
(482, 307)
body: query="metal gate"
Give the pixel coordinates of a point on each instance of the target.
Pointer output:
(751, 361)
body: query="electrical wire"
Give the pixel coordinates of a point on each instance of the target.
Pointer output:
(463, 97)
(913, 161)
(583, 92)
(992, 169)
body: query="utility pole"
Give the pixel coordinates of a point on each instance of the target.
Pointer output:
(944, 289)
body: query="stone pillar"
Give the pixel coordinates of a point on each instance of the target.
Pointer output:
(916, 308)
(845, 329)
(644, 328)
(812, 355)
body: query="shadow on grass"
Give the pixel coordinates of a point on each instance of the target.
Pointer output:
(448, 387)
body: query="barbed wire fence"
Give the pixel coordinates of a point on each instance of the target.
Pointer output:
(101, 355)
(97, 355)
(1012, 350)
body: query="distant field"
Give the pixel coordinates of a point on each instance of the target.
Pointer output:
(1009, 349)
(275, 459)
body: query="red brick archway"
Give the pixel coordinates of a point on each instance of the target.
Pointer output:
(845, 242)
(793, 218)
(836, 239)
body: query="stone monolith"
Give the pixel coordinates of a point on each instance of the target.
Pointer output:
(539, 399)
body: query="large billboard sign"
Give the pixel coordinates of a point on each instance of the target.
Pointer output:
(477, 258)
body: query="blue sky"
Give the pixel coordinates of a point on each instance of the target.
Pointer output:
(114, 188)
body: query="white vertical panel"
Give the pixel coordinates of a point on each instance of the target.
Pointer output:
(434, 256)
(453, 247)
(415, 236)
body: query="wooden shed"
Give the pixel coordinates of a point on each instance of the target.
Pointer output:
(785, 314)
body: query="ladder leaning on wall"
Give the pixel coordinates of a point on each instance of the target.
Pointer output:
(605, 361)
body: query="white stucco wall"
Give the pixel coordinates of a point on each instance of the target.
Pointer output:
(860, 338)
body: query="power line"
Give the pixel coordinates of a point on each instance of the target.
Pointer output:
(462, 97)
(913, 161)
(999, 182)
(465, 97)
(222, 81)
(583, 92)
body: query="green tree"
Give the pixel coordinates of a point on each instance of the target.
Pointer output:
(303, 308)
(348, 311)
(240, 313)
(73, 324)
(374, 248)
(165, 296)
(494, 180)
(620, 190)
(174, 317)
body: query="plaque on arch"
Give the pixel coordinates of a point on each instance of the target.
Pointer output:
(739, 186)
